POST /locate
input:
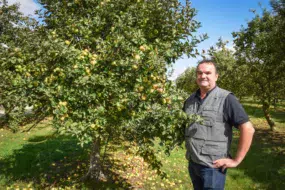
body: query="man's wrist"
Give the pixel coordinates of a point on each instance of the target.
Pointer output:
(237, 160)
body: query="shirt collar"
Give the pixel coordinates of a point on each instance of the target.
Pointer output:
(198, 92)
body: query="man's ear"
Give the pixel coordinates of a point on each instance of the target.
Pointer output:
(217, 76)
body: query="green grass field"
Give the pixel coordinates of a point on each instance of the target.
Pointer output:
(42, 159)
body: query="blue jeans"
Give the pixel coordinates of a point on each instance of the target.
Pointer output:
(204, 178)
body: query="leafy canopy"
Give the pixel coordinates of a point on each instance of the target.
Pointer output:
(100, 68)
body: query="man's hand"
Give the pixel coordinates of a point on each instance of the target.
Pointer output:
(246, 134)
(225, 163)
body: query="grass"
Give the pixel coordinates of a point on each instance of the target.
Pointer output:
(39, 159)
(264, 166)
(42, 159)
(254, 110)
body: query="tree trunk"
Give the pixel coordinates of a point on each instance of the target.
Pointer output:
(95, 171)
(266, 108)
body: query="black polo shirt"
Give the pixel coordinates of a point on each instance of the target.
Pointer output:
(234, 113)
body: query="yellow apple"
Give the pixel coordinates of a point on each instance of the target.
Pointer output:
(143, 97)
(142, 48)
(155, 86)
(94, 56)
(137, 57)
(140, 89)
(160, 90)
(63, 103)
(168, 100)
(87, 70)
(67, 42)
(84, 53)
(93, 62)
(135, 67)
(16, 49)
(28, 74)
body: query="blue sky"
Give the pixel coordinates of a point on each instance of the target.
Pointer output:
(219, 18)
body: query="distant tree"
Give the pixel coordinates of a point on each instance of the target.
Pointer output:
(260, 46)
(279, 9)
(232, 76)
(187, 80)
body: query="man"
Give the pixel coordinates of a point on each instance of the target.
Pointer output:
(208, 142)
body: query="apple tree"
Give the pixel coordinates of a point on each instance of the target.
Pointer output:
(260, 46)
(100, 69)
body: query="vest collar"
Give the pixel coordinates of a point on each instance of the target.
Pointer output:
(207, 94)
(212, 93)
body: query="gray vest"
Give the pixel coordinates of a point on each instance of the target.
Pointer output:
(211, 139)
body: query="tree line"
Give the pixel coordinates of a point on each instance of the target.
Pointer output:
(255, 68)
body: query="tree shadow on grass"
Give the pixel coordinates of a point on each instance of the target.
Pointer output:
(253, 111)
(256, 112)
(264, 162)
(56, 161)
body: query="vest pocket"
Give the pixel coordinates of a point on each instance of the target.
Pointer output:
(214, 148)
(208, 118)
(193, 147)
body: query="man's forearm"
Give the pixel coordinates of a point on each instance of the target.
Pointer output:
(245, 140)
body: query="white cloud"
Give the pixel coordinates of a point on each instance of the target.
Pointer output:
(177, 71)
(181, 65)
(231, 47)
(27, 7)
